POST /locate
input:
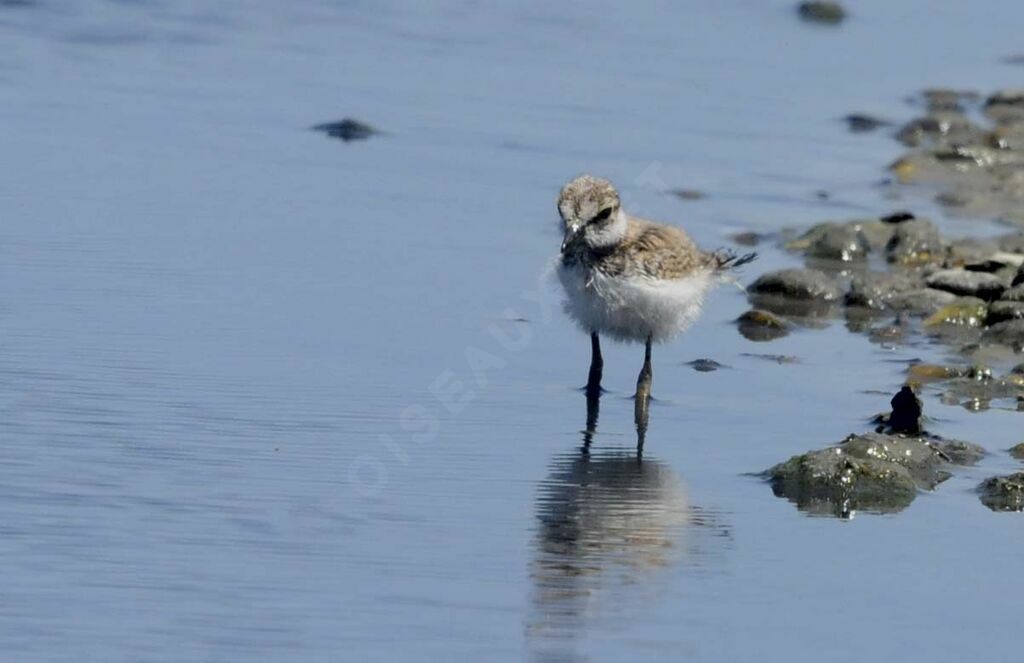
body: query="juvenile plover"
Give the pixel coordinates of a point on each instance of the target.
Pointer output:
(631, 279)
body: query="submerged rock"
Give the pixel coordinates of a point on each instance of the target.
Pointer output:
(1006, 106)
(963, 312)
(804, 284)
(921, 301)
(862, 122)
(1017, 451)
(1003, 493)
(963, 282)
(916, 241)
(704, 365)
(759, 325)
(875, 290)
(347, 130)
(1009, 333)
(1001, 311)
(822, 11)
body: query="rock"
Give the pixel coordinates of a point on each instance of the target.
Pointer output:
(906, 412)
(748, 238)
(1017, 451)
(759, 325)
(822, 11)
(963, 282)
(705, 365)
(1003, 493)
(687, 194)
(806, 284)
(1011, 243)
(874, 290)
(1006, 106)
(945, 99)
(1014, 294)
(873, 472)
(938, 128)
(933, 372)
(347, 130)
(862, 122)
(921, 301)
(830, 481)
(778, 359)
(972, 250)
(1002, 310)
(914, 242)
(964, 312)
(1009, 333)
(840, 242)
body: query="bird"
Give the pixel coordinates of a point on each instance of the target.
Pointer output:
(634, 280)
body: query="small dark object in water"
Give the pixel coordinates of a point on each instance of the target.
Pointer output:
(687, 194)
(898, 217)
(747, 238)
(906, 412)
(778, 359)
(347, 130)
(704, 365)
(758, 325)
(859, 123)
(822, 11)
(1017, 451)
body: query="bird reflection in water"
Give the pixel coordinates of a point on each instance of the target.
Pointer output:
(610, 523)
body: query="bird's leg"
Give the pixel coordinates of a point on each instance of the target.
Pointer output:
(643, 397)
(596, 367)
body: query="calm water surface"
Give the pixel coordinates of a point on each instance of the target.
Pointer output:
(267, 396)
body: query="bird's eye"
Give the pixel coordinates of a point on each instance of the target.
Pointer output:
(603, 214)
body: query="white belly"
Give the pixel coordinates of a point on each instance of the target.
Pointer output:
(631, 309)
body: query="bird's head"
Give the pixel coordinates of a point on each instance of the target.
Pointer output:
(591, 213)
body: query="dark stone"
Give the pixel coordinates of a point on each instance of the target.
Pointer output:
(1014, 294)
(839, 242)
(1009, 333)
(875, 289)
(806, 284)
(1003, 493)
(822, 11)
(920, 301)
(898, 217)
(687, 194)
(906, 412)
(914, 242)
(705, 365)
(758, 325)
(1002, 311)
(347, 130)
(1017, 451)
(861, 122)
(1006, 106)
(962, 282)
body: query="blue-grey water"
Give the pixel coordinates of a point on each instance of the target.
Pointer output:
(269, 396)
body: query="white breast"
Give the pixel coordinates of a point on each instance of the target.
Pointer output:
(633, 308)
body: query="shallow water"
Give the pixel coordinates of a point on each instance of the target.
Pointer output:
(270, 396)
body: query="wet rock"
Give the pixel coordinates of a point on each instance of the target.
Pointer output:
(920, 301)
(1006, 106)
(972, 251)
(934, 372)
(963, 312)
(833, 482)
(1009, 333)
(804, 284)
(748, 238)
(839, 242)
(1014, 294)
(862, 122)
(946, 99)
(347, 130)
(705, 365)
(687, 194)
(1002, 311)
(822, 11)
(759, 325)
(963, 282)
(906, 412)
(1003, 493)
(1017, 451)
(916, 241)
(939, 128)
(874, 290)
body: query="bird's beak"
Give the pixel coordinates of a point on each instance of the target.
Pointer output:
(571, 232)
